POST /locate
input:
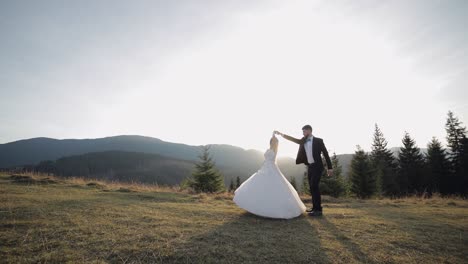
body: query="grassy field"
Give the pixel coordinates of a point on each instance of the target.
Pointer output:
(50, 220)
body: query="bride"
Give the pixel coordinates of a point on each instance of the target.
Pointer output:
(267, 192)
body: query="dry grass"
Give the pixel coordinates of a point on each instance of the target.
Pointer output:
(78, 220)
(79, 181)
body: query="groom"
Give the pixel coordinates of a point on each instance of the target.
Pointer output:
(310, 149)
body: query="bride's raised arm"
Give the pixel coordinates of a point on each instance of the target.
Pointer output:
(274, 144)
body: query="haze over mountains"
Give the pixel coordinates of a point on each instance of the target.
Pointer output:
(168, 163)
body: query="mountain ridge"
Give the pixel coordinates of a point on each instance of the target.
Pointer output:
(233, 161)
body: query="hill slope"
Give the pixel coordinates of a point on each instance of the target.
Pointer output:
(32, 151)
(126, 167)
(233, 161)
(72, 221)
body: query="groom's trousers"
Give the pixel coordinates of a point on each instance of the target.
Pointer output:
(314, 173)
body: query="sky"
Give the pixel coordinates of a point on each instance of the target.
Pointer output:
(231, 72)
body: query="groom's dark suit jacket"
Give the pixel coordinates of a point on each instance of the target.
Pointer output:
(318, 147)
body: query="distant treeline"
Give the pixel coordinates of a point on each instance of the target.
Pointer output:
(439, 170)
(120, 166)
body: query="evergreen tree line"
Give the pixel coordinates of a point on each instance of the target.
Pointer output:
(379, 172)
(411, 172)
(334, 185)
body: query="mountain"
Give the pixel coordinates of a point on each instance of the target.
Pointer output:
(232, 161)
(32, 151)
(122, 166)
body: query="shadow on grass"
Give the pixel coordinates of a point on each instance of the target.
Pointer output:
(345, 241)
(157, 197)
(425, 233)
(251, 239)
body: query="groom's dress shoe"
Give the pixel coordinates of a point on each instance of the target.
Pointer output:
(315, 213)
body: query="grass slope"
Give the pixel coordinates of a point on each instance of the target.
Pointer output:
(50, 220)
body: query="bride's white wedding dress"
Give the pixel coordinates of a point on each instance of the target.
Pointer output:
(268, 193)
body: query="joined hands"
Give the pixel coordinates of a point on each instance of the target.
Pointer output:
(276, 132)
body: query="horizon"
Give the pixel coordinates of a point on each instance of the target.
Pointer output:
(232, 72)
(219, 144)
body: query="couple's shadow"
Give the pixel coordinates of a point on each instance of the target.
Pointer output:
(247, 238)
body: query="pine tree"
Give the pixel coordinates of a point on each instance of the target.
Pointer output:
(206, 178)
(438, 167)
(463, 172)
(231, 185)
(334, 185)
(292, 180)
(361, 179)
(384, 165)
(410, 167)
(238, 182)
(305, 184)
(456, 135)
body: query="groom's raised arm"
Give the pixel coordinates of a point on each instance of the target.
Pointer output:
(295, 140)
